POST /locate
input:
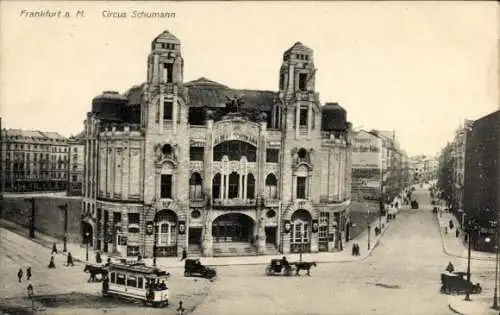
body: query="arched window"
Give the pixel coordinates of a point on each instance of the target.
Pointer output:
(216, 182)
(271, 187)
(235, 150)
(234, 181)
(301, 227)
(195, 183)
(250, 186)
(302, 153)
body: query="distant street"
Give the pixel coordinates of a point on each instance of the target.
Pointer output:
(401, 274)
(401, 277)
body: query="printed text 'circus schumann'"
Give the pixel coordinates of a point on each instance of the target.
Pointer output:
(137, 14)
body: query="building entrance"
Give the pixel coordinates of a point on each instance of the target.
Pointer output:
(194, 236)
(270, 235)
(233, 227)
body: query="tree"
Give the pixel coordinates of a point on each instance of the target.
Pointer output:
(445, 174)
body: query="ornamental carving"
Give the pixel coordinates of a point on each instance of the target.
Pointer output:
(302, 156)
(165, 151)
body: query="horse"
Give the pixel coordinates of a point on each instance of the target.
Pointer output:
(94, 271)
(304, 266)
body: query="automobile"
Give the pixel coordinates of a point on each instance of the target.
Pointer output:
(193, 267)
(277, 268)
(457, 283)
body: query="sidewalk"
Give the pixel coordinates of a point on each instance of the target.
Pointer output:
(78, 251)
(456, 246)
(479, 305)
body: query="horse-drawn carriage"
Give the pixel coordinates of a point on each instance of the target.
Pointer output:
(457, 283)
(281, 267)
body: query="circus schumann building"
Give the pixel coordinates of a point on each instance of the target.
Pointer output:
(219, 171)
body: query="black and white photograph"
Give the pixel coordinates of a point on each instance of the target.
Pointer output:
(249, 157)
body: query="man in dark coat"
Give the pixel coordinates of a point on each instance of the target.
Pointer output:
(98, 258)
(69, 260)
(20, 274)
(51, 263)
(54, 248)
(28, 273)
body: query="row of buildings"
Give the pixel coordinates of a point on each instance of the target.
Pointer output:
(170, 164)
(40, 161)
(469, 176)
(423, 168)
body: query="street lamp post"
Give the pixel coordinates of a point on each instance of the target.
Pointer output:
(87, 241)
(470, 226)
(497, 249)
(65, 238)
(368, 237)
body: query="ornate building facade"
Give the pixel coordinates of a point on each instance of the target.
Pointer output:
(75, 167)
(197, 165)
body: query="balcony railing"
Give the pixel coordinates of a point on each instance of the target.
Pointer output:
(234, 202)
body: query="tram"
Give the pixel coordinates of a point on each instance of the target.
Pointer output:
(137, 281)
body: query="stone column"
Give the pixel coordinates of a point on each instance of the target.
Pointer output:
(160, 109)
(207, 160)
(175, 115)
(240, 188)
(207, 244)
(309, 184)
(297, 120)
(226, 186)
(294, 187)
(309, 120)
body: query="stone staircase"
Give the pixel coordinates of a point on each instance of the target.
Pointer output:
(234, 249)
(194, 250)
(271, 249)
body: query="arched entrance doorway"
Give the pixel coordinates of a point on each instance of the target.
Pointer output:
(300, 240)
(87, 233)
(165, 233)
(233, 227)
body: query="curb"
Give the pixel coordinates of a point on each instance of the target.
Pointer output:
(445, 247)
(361, 258)
(454, 310)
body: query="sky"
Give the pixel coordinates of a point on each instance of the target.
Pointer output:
(419, 68)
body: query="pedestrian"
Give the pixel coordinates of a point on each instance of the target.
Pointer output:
(108, 261)
(354, 249)
(445, 230)
(54, 249)
(98, 258)
(30, 290)
(20, 274)
(450, 268)
(28, 273)
(451, 224)
(69, 260)
(139, 257)
(184, 254)
(180, 309)
(51, 263)
(457, 233)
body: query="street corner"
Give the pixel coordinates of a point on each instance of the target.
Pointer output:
(477, 305)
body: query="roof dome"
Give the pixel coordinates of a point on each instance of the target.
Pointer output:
(109, 105)
(110, 95)
(334, 117)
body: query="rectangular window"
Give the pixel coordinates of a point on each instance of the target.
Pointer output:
(282, 81)
(120, 278)
(303, 117)
(196, 154)
(140, 282)
(272, 155)
(166, 186)
(132, 281)
(301, 187)
(168, 73)
(113, 277)
(134, 218)
(168, 108)
(75, 178)
(302, 81)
